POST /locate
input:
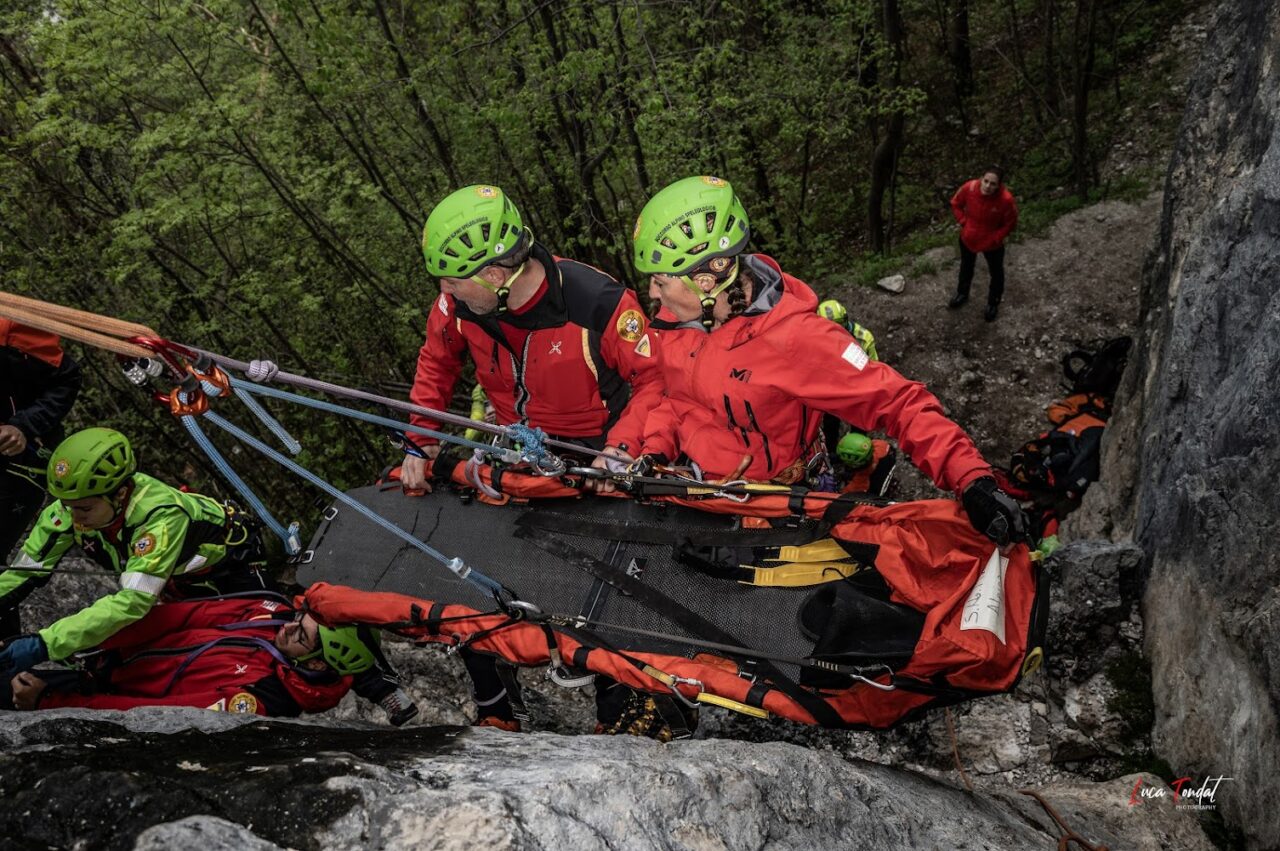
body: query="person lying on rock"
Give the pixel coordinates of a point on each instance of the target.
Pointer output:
(163, 543)
(750, 367)
(246, 654)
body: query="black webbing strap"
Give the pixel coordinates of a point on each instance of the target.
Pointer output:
(756, 694)
(795, 502)
(446, 462)
(841, 506)
(678, 614)
(546, 520)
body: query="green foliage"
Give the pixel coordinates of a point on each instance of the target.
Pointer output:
(253, 177)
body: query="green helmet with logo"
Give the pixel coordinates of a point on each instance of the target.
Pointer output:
(345, 650)
(93, 462)
(855, 449)
(470, 229)
(687, 223)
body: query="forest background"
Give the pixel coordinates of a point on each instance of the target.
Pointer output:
(252, 176)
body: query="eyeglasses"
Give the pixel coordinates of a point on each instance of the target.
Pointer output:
(311, 643)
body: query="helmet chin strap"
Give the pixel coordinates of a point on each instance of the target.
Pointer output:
(503, 292)
(708, 299)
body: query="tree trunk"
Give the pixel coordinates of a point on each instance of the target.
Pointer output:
(1084, 50)
(958, 49)
(884, 160)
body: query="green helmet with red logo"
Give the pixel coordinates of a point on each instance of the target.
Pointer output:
(855, 450)
(470, 229)
(688, 223)
(93, 462)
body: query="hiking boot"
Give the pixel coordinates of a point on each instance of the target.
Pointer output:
(399, 707)
(957, 300)
(992, 310)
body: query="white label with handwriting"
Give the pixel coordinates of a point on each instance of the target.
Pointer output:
(985, 607)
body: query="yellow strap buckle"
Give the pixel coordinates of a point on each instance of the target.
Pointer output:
(828, 549)
(800, 575)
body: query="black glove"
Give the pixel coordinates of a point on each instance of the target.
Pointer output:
(993, 512)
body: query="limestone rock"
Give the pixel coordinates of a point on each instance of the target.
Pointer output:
(77, 778)
(1191, 454)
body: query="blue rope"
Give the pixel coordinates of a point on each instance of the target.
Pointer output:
(510, 456)
(273, 425)
(288, 537)
(531, 440)
(456, 565)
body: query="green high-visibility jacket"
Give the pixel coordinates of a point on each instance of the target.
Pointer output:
(166, 533)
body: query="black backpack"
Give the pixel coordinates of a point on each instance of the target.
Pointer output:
(1097, 371)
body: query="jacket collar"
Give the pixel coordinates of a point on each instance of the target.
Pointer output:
(549, 311)
(769, 290)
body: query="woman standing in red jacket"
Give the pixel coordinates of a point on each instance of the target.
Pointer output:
(987, 214)
(749, 367)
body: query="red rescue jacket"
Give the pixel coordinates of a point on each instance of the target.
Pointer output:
(205, 653)
(759, 384)
(588, 366)
(985, 221)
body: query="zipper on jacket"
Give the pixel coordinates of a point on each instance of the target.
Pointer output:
(522, 392)
(733, 422)
(755, 426)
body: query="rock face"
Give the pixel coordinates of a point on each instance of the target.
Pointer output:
(1192, 456)
(164, 778)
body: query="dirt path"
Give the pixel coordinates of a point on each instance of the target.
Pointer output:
(1078, 284)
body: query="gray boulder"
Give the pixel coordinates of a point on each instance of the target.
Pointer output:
(149, 779)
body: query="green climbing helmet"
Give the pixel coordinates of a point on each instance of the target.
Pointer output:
(344, 649)
(470, 229)
(833, 310)
(855, 450)
(687, 223)
(93, 462)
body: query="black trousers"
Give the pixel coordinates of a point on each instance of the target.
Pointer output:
(995, 265)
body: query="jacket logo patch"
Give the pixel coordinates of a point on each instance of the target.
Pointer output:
(270, 605)
(242, 669)
(243, 703)
(443, 304)
(743, 375)
(144, 545)
(61, 467)
(555, 348)
(643, 347)
(630, 325)
(854, 354)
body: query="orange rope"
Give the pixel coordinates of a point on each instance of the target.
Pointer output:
(955, 750)
(73, 332)
(70, 315)
(1068, 835)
